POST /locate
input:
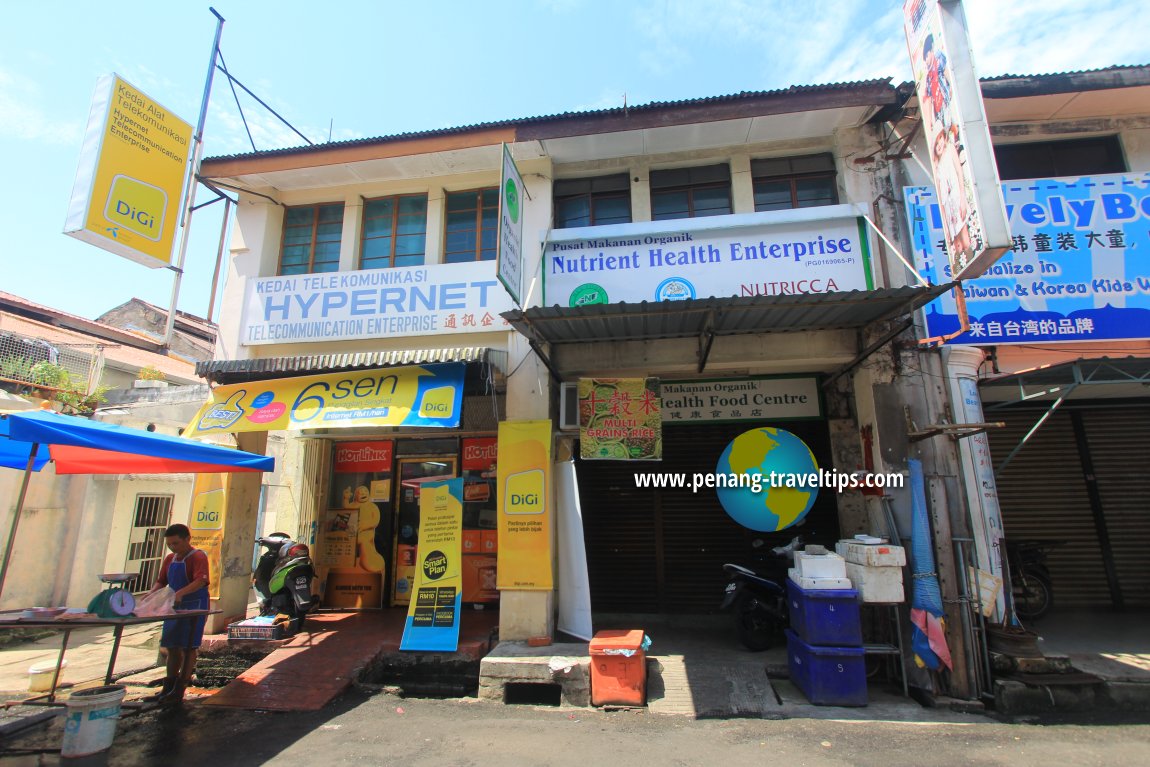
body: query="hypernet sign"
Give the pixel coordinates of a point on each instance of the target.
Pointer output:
(132, 166)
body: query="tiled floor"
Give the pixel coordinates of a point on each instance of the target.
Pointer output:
(319, 664)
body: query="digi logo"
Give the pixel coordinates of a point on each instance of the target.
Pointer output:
(137, 207)
(438, 403)
(208, 511)
(524, 493)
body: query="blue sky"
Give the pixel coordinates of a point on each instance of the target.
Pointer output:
(360, 69)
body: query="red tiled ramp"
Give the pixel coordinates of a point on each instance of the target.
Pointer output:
(316, 666)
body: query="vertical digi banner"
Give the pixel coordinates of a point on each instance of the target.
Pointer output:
(620, 419)
(206, 522)
(433, 614)
(524, 508)
(957, 135)
(126, 197)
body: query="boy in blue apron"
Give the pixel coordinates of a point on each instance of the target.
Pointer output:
(184, 571)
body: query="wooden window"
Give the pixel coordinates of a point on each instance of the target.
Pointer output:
(592, 201)
(472, 226)
(784, 183)
(1051, 159)
(691, 192)
(394, 231)
(311, 239)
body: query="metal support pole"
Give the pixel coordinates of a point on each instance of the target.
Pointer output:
(16, 514)
(219, 257)
(190, 187)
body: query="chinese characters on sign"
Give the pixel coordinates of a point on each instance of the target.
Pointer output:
(1075, 272)
(620, 419)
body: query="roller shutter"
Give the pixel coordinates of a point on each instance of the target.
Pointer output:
(662, 551)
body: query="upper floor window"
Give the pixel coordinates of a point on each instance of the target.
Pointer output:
(1050, 159)
(691, 192)
(394, 231)
(592, 201)
(472, 226)
(784, 183)
(311, 239)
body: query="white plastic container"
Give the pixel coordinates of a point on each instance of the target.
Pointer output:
(870, 554)
(91, 723)
(40, 675)
(829, 565)
(877, 584)
(833, 584)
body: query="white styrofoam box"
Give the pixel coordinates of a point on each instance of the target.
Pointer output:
(829, 565)
(833, 584)
(877, 584)
(871, 555)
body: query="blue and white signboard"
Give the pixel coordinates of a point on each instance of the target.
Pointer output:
(375, 303)
(1079, 269)
(791, 252)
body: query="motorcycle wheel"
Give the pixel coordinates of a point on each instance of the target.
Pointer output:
(1033, 596)
(755, 628)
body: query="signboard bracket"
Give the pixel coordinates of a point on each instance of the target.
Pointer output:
(706, 340)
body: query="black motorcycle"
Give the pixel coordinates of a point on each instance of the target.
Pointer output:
(1030, 586)
(283, 579)
(759, 598)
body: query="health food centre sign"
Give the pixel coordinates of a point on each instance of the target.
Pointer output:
(821, 250)
(1079, 269)
(374, 303)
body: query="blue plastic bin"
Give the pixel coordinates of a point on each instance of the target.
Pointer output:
(828, 676)
(825, 617)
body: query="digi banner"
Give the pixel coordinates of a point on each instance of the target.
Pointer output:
(1079, 269)
(810, 250)
(206, 522)
(425, 395)
(126, 197)
(433, 614)
(524, 508)
(374, 303)
(620, 419)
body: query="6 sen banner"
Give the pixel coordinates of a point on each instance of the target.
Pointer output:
(433, 614)
(130, 179)
(425, 395)
(524, 508)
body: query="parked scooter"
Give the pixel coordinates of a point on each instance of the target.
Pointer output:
(1030, 577)
(283, 579)
(759, 596)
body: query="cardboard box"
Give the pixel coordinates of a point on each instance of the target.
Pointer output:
(353, 589)
(472, 542)
(479, 579)
(490, 541)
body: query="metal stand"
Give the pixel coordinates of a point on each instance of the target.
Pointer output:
(887, 648)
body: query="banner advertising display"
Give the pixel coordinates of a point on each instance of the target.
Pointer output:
(763, 398)
(433, 615)
(354, 546)
(524, 510)
(126, 198)
(957, 135)
(810, 250)
(620, 419)
(374, 303)
(425, 395)
(1078, 271)
(206, 523)
(512, 197)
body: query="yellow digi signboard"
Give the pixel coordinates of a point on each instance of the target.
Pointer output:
(524, 477)
(133, 162)
(206, 522)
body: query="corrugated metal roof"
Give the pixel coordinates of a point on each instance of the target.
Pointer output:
(614, 111)
(1112, 68)
(647, 321)
(239, 371)
(1084, 370)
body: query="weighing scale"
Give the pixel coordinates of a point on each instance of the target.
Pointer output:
(114, 602)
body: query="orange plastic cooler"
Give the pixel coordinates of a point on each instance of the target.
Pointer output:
(618, 668)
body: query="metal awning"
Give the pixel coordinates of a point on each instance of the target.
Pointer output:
(242, 371)
(708, 318)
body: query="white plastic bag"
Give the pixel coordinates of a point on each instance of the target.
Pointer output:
(160, 602)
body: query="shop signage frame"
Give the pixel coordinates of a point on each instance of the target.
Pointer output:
(753, 399)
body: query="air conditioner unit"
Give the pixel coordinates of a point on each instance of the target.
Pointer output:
(569, 406)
